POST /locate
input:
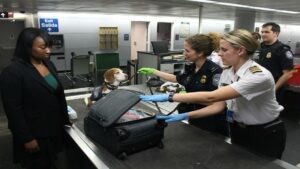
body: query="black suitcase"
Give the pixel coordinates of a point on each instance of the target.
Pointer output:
(107, 125)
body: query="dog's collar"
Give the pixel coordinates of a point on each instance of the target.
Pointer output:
(110, 86)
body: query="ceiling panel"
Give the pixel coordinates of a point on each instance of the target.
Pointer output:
(159, 7)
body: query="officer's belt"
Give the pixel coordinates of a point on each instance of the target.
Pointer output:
(265, 125)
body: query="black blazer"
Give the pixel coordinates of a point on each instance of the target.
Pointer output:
(34, 109)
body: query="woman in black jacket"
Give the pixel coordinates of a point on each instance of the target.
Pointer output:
(34, 101)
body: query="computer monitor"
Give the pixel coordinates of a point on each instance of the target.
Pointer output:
(160, 46)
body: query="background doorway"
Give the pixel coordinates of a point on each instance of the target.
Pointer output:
(9, 33)
(139, 38)
(164, 31)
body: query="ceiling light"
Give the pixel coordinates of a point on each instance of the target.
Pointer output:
(245, 6)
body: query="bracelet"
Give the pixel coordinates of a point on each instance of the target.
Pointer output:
(170, 99)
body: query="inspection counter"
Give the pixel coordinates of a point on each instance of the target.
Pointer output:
(185, 147)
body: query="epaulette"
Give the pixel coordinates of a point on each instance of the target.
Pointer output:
(283, 46)
(286, 47)
(226, 67)
(255, 69)
(214, 68)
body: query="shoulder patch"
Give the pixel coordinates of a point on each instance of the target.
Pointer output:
(289, 54)
(255, 69)
(216, 79)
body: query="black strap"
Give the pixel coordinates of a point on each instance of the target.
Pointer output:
(110, 86)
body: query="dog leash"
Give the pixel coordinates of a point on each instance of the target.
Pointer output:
(128, 80)
(156, 104)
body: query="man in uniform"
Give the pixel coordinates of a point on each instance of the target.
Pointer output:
(276, 57)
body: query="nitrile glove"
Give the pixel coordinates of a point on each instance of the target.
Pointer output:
(155, 98)
(146, 71)
(72, 113)
(174, 117)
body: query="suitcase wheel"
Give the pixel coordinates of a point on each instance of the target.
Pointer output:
(122, 156)
(160, 145)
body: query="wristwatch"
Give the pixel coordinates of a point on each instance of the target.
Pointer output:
(170, 99)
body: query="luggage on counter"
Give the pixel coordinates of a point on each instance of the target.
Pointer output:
(123, 125)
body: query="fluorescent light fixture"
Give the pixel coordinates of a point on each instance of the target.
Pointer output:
(245, 6)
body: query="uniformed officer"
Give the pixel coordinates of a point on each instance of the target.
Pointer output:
(276, 57)
(201, 75)
(248, 90)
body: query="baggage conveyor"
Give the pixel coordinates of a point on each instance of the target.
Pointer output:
(185, 147)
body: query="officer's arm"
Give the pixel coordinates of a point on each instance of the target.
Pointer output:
(287, 74)
(286, 63)
(221, 94)
(166, 76)
(212, 109)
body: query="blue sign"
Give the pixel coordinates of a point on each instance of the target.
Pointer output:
(49, 24)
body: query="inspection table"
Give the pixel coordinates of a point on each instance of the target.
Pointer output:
(185, 147)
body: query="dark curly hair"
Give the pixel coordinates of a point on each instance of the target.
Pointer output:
(204, 43)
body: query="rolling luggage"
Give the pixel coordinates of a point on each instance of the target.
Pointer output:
(123, 125)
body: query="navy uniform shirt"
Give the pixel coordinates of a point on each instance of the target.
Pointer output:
(205, 79)
(276, 58)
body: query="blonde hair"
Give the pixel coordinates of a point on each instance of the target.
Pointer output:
(215, 37)
(204, 43)
(256, 36)
(242, 37)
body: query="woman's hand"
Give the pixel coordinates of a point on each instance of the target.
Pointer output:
(32, 146)
(174, 117)
(155, 98)
(146, 71)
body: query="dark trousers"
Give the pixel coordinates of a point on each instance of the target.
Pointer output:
(38, 160)
(280, 94)
(266, 139)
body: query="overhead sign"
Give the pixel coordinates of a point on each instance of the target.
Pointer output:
(49, 24)
(6, 14)
(3, 14)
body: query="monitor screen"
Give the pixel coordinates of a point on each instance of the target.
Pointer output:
(160, 46)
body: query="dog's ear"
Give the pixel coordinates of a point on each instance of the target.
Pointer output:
(109, 75)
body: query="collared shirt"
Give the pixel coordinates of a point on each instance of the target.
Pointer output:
(257, 103)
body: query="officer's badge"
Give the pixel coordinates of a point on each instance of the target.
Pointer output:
(255, 69)
(288, 54)
(269, 55)
(203, 79)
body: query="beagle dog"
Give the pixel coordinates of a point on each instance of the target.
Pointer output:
(112, 79)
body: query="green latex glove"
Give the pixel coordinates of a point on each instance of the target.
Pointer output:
(146, 71)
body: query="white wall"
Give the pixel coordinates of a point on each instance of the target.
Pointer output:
(81, 30)
(178, 44)
(215, 25)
